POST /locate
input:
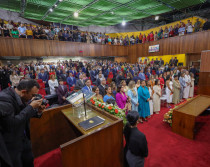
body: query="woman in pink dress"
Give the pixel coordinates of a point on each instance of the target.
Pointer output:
(121, 97)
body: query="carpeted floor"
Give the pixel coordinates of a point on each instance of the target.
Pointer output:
(166, 149)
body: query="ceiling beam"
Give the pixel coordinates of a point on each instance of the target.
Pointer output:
(22, 7)
(166, 4)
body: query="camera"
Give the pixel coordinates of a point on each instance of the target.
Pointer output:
(44, 101)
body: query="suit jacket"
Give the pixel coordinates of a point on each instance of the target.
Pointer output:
(64, 77)
(119, 78)
(161, 62)
(62, 92)
(93, 75)
(98, 82)
(101, 90)
(44, 77)
(80, 84)
(14, 121)
(71, 81)
(85, 88)
(58, 74)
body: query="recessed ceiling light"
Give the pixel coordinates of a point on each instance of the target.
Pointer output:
(51, 9)
(112, 12)
(55, 5)
(76, 14)
(123, 23)
(156, 17)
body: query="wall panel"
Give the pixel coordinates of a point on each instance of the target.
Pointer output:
(39, 48)
(190, 43)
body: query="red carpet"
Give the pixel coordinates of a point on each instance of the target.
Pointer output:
(166, 149)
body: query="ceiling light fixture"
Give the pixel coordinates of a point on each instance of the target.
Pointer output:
(76, 14)
(112, 12)
(156, 17)
(60, 0)
(123, 23)
(55, 5)
(51, 9)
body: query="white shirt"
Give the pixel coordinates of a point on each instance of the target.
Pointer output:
(52, 85)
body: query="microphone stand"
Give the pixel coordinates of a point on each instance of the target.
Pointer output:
(84, 105)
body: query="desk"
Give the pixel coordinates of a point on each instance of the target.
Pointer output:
(101, 146)
(184, 116)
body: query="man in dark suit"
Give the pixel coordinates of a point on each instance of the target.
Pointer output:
(156, 61)
(58, 73)
(161, 63)
(119, 78)
(80, 83)
(102, 87)
(62, 92)
(93, 74)
(71, 80)
(171, 62)
(176, 61)
(43, 76)
(64, 76)
(15, 114)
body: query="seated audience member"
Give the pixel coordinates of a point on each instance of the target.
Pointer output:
(98, 80)
(148, 73)
(80, 82)
(43, 34)
(114, 89)
(22, 31)
(136, 143)
(197, 25)
(79, 73)
(206, 25)
(121, 97)
(27, 75)
(84, 76)
(53, 84)
(142, 75)
(95, 89)
(59, 72)
(62, 92)
(156, 96)
(29, 33)
(108, 95)
(43, 76)
(133, 94)
(102, 87)
(14, 78)
(14, 33)
(64, 76)
(71, 80)
(88, 86)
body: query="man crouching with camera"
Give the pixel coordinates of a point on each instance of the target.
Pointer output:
(17, 106)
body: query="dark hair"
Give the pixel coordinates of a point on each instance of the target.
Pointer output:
(106, 88)
(175, 76)
(156, 81)
(168, 77)
(119, 88)
(160, 74)
(94, 88)
(27, 84)
(142, 81)
(87, 80)
(132, 117)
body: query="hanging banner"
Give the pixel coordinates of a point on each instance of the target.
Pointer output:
(154, 48)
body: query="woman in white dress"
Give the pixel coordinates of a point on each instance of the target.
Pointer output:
(169, 90)
(151, 97)
(187, 88)
(191, 94)
(156, 96)
(53, 83)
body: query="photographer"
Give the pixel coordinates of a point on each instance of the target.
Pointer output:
(17, 106)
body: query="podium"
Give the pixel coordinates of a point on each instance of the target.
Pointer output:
(101, 145)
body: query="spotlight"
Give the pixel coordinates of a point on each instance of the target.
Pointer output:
(76, 14)
(112, 12)
(60, 0)
(55, 5)
(51, 9)
(123, 23)
(156, 17)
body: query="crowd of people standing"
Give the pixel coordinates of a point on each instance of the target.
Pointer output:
(51, 32)
(137, 87)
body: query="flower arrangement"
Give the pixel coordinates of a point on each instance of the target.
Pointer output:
(169, 115)
(112, 109)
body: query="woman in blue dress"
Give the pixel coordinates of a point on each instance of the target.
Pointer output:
(143, 98)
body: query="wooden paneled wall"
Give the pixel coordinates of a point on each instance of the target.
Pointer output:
(39, 48)
(204, 77)
(190, 43)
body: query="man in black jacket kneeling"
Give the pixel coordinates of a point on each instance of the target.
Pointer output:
(17, 106)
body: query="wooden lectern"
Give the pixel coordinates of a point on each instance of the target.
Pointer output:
(58, 127)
